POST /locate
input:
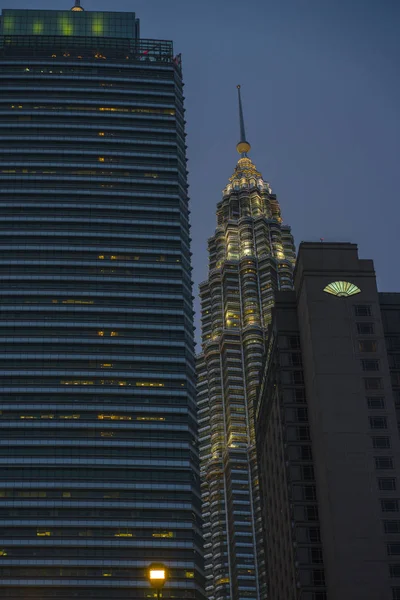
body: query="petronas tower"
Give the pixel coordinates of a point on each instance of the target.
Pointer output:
(251, 256)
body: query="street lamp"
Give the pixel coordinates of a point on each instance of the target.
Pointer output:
(157, 575)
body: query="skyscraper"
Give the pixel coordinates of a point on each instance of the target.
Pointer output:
(327, 438)
(98, 459)
(251, 256)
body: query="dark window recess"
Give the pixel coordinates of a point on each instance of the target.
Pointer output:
(305, 453)
(319, 596)
(314, 535)
(365, 328)
(367, 346)
(381, 442)
(378, 422)
(316, 555)
(312, 513)
(390, 505)
(310, 493)
(295, 359)
(318, 577)
(300, 395)
(393, 549)
(391, 526)
(307, 472)
(375, 402)
(369, 364)
(303, 433)
(387, 484)
(302, 414)
(362, 310)
(294, 342)
(298, 377)
(396, 593)
(373, 383)
(384, 462)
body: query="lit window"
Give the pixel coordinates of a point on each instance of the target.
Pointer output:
(163, 534)
(103, 417)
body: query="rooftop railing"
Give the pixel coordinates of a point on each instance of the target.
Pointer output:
(88, 48)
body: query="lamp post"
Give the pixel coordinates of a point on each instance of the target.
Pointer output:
(157, 575)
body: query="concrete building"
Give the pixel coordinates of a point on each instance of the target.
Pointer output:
(99, 473)
(251, 256)
(327, 439)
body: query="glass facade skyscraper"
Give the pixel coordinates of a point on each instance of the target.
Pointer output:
(251, 255)
(98, 459)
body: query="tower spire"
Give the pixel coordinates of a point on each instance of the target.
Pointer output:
(243, 146)
(77, 6)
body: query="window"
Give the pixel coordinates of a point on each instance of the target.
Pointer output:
(305, 453)
(390, 505)
(370, 365)
(376, 402)
(373, 383)
(362, 310)
(299, 395)
(303, 433)
(310, 493)
(381, 442)
(302, 414)
(312, 513)
(318, 577)
(294, 342)
(396, 593)
(316, 555)
(387, 484)
(393, 549)
(378, 422)
(384, 462)
(391, 526)
(367, 346)
(307, 472)
(314, 535)
(365, 328)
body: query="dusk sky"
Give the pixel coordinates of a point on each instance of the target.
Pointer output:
(321, 95)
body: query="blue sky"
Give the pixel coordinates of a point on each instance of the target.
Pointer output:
(321, 94)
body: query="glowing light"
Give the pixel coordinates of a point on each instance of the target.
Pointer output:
(8, 23)
(97, 25)
(37, 27)
(342, 288)
(65, 25)
(157, 574)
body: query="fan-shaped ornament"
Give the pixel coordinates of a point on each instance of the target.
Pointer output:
(342, 288)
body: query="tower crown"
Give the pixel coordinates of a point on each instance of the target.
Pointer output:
(77, 6)
(243, 146)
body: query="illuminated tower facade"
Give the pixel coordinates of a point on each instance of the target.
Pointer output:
(251, 255)
(98, 458)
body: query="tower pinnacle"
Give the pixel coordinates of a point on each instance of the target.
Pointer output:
(77, 6)
(243, 146)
